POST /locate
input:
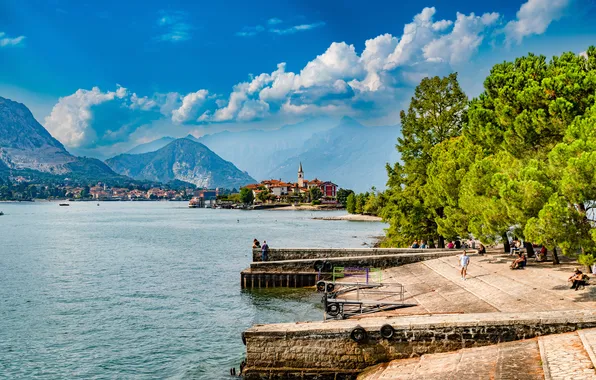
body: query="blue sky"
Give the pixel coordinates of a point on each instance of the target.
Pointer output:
(103, 76)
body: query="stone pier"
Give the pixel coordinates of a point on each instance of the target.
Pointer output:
(295, 267)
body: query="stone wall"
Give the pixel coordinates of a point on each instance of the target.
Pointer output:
(278, 254)
(326, 351)
(376, 261)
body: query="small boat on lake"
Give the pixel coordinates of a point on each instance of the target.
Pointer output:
(64, 204)
(1, 213)
(196, 203)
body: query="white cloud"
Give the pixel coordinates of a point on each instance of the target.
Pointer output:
(298, 28)
(416, 34)
(173, 26)
(253, 110)
(370, 84)
(70, 118)
(143, 103)
(274, 21)
(191, 105)
(534, 17)
(463, 41)
(6, 41)
(249, 31)
(237, 98)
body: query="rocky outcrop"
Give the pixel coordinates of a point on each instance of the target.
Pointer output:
(26, 144)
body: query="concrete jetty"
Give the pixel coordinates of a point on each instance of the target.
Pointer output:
(295, 267)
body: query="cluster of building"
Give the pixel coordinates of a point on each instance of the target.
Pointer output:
(103, 192)
(279, 189)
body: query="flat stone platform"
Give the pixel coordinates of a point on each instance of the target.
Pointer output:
(435, 286)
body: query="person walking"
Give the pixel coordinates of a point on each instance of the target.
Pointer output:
(264, 251)
(464, 261)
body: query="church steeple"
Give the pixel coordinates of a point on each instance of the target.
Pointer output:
(300, 176)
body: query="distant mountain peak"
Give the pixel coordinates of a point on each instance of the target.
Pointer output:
(184, 160)
(347, 121)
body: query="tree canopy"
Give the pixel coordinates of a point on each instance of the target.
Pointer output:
(520, 158)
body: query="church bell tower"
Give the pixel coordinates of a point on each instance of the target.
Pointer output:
(300, 176)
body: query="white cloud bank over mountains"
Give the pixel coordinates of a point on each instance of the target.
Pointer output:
(340, 81)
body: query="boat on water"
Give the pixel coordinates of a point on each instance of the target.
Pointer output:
(1, 213)
(64, 204)
(196, 203)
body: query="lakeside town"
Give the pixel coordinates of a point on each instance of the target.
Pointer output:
(273, 192)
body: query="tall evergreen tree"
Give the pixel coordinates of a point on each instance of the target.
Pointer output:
(437, 113)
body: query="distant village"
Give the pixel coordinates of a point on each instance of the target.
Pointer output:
(266, 192)
(23, 189)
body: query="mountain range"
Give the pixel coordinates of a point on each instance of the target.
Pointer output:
(28, 149)
(183, 160)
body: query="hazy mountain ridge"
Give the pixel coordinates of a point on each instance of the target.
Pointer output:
(351, 155)
(151, 146)
(258, 151)
(184, 160)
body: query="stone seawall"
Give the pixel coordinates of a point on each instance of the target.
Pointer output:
(279, 254)
(375, 261)
(327, 350)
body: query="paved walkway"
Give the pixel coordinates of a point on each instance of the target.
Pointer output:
(556, 357)
(435, 286)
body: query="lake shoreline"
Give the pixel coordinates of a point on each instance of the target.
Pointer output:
(352, 217)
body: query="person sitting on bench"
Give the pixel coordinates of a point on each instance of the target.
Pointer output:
(577, 279)
(520, 262)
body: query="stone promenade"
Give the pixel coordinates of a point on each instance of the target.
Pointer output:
(435, 286)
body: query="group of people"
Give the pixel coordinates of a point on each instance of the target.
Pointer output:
(421, 245)
(264, 248)
(453, 245)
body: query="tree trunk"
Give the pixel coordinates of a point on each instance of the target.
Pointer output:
(529, 249)
(506, 246)
(441, 242)
(555, 256)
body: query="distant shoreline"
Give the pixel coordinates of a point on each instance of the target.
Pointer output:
(304, 208)
(352, 217)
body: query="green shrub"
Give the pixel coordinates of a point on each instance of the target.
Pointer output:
(316, 202)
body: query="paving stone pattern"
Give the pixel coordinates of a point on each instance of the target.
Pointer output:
(435, 286)
(566, 358)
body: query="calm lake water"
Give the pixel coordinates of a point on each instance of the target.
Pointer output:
(144, 290)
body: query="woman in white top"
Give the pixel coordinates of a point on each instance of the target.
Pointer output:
(464, 261)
